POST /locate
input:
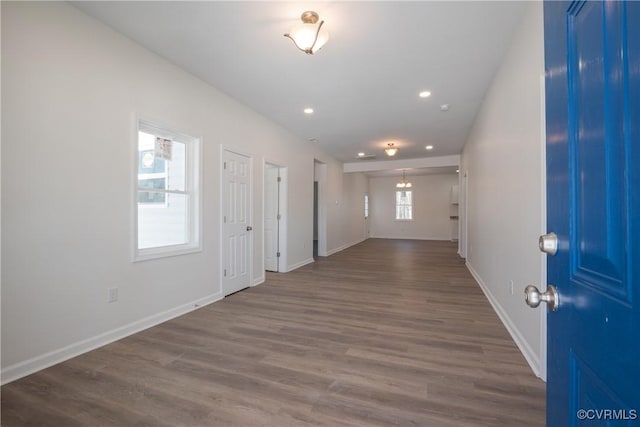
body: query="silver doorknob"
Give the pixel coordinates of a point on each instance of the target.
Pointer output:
(533, 297)
(548, 243)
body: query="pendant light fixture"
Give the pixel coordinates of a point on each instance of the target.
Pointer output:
(309, 36)
(391, 150)
(404, 182)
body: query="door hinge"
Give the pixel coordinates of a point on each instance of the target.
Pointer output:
(277, 254)
(225, 219)
(225, 272)
(279, 217)
(279, 179)
(225, 165)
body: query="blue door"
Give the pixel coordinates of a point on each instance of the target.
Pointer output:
(592, 61)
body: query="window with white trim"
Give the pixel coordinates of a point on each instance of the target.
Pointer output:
(167, 203)
(366, 206)
(404, 205)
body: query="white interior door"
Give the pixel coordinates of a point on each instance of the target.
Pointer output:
(236, 226)
(271, 214)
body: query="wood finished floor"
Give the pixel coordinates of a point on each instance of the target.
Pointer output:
(388, 332)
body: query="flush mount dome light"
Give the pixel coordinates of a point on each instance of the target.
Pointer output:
(391, 150)
(309, 36)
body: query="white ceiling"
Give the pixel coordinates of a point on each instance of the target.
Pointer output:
(363, 85)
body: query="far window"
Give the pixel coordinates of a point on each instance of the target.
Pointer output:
(366, 206)
(404, 205)
(167, 192)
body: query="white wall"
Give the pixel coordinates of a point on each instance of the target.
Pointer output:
(355, 186)
(70, 89)
(503, 159)
(334, 201)
(431, 210)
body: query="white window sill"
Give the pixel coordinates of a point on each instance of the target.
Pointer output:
(164, 252)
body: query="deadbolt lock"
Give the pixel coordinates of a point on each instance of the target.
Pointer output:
(548, 243)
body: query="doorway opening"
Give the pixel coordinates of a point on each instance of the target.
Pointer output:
(319, 210)
(315, 219)
(274, 221)
(462, 224)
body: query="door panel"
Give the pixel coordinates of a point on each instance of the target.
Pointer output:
(237, 249)
(271, 201)
(592, 87)
(233, 258)
(598, 147)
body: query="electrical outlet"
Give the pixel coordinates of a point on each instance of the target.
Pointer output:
(511, 286)
(113, 295)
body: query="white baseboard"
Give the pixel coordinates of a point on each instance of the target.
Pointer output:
(532, 358)
(440, 239)
(300, 264)
(259, 281)
(336, 250)
(27, 367)
(343, 247)
(331, 252)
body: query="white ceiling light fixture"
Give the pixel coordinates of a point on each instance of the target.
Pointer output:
(361, 154)
(309, 36)
(391, 150)
(424, 94)
(404, 182)
(429, 147)
(308, 110)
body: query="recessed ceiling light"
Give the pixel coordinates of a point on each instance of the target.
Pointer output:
(429, 147)
(444, 107)
(424, 94)
(457, 170)
(361, 154)
(308, 110)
